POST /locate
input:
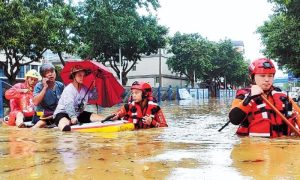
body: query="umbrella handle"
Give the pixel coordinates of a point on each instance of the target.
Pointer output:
(281, 115)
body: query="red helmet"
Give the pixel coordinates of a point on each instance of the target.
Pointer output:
(143, 86)
(262, 66)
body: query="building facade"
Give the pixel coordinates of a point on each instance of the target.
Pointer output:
(150, 69)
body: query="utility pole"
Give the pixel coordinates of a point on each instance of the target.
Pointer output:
(225, 85)
(160, 79)
(194, 79)
(121, 68)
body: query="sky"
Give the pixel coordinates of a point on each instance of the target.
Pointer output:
(218, 20)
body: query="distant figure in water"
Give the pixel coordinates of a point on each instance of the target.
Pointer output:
(253, 115)
(20, 98)
(142, 110)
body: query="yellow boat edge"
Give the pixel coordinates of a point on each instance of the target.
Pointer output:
(108, 129)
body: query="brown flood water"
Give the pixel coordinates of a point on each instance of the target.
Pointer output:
(190, 148)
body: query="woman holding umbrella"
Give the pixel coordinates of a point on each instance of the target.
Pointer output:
(70, 108)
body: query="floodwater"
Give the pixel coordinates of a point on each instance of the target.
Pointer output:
(190, 148)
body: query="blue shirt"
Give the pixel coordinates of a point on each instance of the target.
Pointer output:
(51, 97)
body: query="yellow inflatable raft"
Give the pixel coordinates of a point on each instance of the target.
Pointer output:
(105, 127)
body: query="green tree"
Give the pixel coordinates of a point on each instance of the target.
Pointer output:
(281, 35)
(191, 54)
(210, 61)
(29, 28)
(110, 25)
(229, 63)
(289, 7)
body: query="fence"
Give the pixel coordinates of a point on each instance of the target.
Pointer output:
(226, 93)
(169, 93)
(1, 100)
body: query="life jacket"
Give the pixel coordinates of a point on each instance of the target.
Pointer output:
(26, 105)
(263, 121)
(135, 113)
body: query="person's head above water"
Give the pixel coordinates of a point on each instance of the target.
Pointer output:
(261, 72)
(140, 90)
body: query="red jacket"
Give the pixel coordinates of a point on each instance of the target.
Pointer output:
(134, 113)
(19, 102)
(256, 118)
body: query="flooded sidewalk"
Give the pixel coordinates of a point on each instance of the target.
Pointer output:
(190, 148)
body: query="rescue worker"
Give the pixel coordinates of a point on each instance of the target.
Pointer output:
(21, 100)
(252, 114)
(46, 95)
(71, 106)
(142, 110)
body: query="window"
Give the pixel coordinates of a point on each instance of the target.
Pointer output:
(21, 73)
(2, 72)
(27, 68)
(134, 68)
(34, 67)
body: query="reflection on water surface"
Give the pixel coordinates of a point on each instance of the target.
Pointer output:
(190, 148)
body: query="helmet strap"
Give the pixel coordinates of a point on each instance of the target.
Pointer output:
(252, 79)
(144, 94)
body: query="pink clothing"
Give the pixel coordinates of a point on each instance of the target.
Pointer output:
(19, 102)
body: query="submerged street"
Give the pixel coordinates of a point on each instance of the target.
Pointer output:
(190, 148)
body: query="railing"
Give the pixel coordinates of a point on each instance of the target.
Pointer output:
(2, 97)
(169, 93)
(224, 93)
(1, 100)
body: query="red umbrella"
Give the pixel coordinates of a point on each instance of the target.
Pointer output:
(108, 88)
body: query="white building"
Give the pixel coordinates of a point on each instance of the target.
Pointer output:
(148, 70)
(238, 46)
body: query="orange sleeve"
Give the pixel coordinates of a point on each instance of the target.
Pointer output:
(159, 120)
(239, 104)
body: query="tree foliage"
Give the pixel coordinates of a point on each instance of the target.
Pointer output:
(211, 61)
(228, 63)
(192, 54)
(29, 28)
(110, 25)
(289, 7)
(281, 35)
